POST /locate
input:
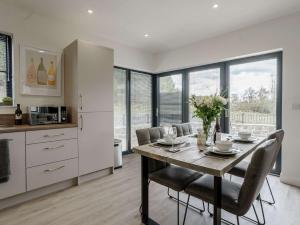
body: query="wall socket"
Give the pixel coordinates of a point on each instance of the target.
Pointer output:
(296, 106)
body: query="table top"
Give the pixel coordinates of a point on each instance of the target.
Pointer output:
(193, 157)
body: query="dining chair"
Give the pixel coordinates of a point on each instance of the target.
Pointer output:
(183, 129)
(240, 169)
(238, 198)
(174, 177)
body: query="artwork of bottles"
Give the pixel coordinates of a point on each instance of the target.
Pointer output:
(52, 75)
(31, 76)
(42, 76)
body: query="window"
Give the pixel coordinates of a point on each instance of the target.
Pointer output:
(120, 108)
(201, 83)
(170, 99)
(5, 70)
(141, 103)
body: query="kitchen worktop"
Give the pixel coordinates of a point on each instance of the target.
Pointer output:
(27, 127)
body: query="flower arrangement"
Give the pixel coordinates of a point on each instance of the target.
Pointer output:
(208, 108)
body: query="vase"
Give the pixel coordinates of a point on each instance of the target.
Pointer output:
(206, 127)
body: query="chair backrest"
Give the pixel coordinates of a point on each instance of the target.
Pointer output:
(183, 129)
(259, 167)
(278, 135)
(148, 136)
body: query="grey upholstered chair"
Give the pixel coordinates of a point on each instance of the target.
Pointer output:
(238, 198)
(183, 129)
(240, 169)
(174, 177)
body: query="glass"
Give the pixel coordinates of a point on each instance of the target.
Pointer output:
(141, 103)
(172, 132)
(203, 83)
(253, 97)
(170, 99)
(120, 121)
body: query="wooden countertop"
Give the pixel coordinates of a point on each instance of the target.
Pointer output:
(27, 127)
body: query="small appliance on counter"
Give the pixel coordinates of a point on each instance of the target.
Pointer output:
(38, 115)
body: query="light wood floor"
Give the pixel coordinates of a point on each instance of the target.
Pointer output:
(114, 200)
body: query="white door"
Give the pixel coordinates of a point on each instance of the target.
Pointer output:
(95, 141)
(16, 183)
(95, 81)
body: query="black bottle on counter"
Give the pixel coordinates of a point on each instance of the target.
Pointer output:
(18, 115)
(217, 129)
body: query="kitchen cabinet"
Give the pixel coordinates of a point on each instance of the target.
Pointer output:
(95, 138)
(17, 180)
(89, 95)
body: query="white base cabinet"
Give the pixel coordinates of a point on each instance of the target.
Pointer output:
(17, 179)
(95, 141)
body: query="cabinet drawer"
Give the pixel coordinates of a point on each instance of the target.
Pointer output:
(50, 135)
(52, 173)
(49, 152)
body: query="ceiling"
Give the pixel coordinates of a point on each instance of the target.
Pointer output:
(170, 23)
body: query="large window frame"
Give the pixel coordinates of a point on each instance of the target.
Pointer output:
(8, 71)
(128, 104)
(224, 87)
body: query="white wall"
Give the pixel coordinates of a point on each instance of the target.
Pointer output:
(281, 33)
(49, 33)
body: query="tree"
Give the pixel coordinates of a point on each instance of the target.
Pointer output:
(249, 95)
(167, 85)
(262, 94)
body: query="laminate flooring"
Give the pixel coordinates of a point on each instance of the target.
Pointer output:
(115, 200)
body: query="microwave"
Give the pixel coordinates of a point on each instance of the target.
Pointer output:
(47, 115)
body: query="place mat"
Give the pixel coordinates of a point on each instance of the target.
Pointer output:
(176, 147)
(209, 153)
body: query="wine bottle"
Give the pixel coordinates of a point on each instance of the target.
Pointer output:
(18, 115)
(42, 76)
(52, 75)
(217, 129)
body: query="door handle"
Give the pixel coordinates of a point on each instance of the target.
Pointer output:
(81, 121)
(80, 96)
(52, 136)
(53, 148)
(54, 169)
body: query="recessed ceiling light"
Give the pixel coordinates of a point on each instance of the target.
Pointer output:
(146, 35)
(41, 51)
(90, 11)
(215, 6)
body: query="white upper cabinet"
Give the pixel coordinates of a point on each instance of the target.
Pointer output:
(88, 77)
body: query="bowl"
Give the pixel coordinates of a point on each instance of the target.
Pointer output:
(224, 145)
(244, 135)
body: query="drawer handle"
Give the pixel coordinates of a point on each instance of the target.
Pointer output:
(54, 169)
(52, 136)
(53, 148)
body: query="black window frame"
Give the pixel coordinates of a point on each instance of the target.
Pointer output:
(9, 83)
(224, 87)
(128, 103)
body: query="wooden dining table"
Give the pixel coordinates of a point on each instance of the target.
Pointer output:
(193, 157)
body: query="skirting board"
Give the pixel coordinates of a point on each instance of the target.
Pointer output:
(95, 175)
(27, 196)
(290, 180)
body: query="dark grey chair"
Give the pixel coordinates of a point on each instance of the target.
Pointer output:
(174, 177)
(238, 198)
(183, 129)
(240, 169)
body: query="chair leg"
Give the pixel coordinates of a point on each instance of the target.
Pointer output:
(237, 220)
(186, 208)
(270, 189)
(184, 203)
(177, 207)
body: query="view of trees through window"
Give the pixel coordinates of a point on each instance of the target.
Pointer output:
(253, 97)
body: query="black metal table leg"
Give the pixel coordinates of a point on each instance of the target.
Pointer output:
(145, 194)
(217, 200)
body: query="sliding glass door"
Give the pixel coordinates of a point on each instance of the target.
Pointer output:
(120, 107)
(170, 99)
(140, 103)
(253, 101)
(203, 82)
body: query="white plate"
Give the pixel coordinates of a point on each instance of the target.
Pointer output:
(176, 142)
(214, 150)
(250, 140)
